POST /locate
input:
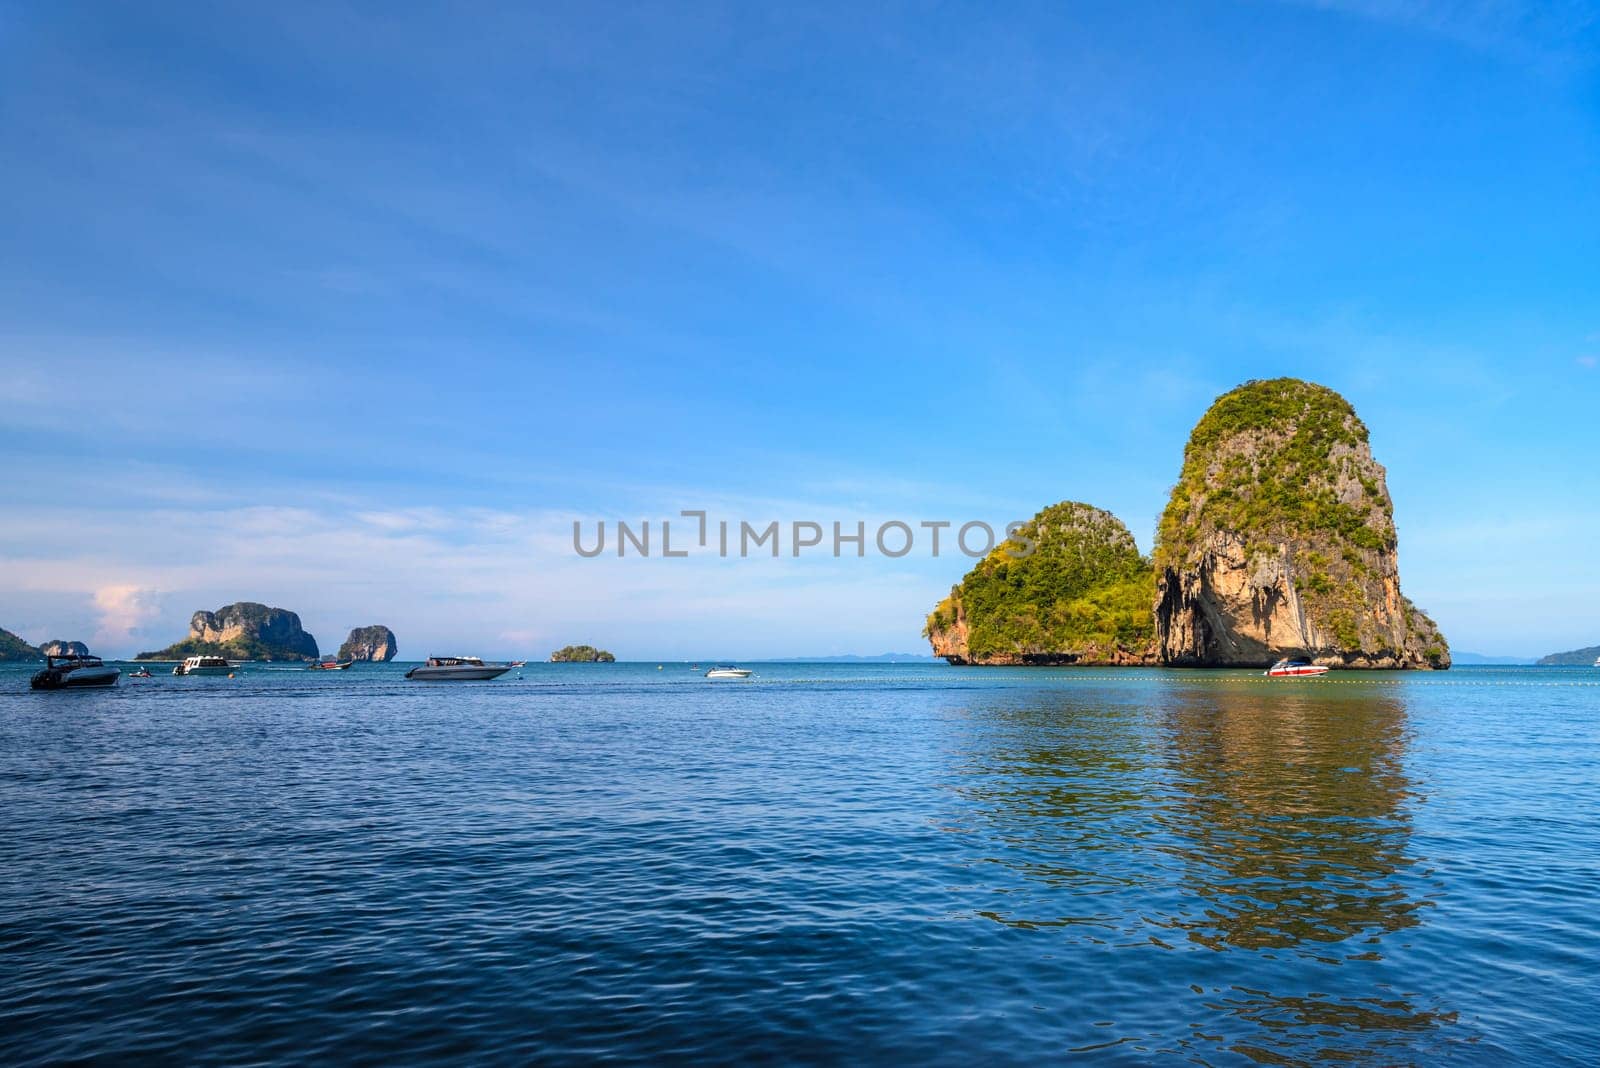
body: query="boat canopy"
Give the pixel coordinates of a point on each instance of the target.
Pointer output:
(72, 659)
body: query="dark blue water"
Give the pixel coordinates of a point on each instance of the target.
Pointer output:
(867, 864)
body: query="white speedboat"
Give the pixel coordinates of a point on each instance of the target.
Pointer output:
(724, 671)
(1297, 667)
(73, 672)
(456, 669)
(204, 665)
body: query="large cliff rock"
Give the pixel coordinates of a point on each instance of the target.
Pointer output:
(243, 631)
(61, 648)
(369, 643)
(1279, 540)
(13, 649)
(1081, 597)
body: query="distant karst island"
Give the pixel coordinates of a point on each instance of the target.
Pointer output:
(13, 649)
(251, 631)
(375, 643)
(581, 654)
(1278, 540)
(242, 631)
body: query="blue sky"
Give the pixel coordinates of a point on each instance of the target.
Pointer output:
(354, 311)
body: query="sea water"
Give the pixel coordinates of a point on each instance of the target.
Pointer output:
(824, 863)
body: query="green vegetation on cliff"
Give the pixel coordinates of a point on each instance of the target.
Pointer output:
(1085, 591)
(235, 649)
(1273, 459)
(1279, 537)
(581, 654)
(243, 631)
(13, 648)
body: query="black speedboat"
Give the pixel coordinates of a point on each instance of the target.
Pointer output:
(74, 672)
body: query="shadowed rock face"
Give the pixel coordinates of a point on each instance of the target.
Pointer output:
(1081, 597)
(1279, 540)
(370, 643)
(61, 648)
(244, 631)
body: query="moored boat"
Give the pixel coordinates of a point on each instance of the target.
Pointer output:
(1295, 667)
(328, 663)
(204, 665)
(456, 669)
(726, 671)
(74, 672)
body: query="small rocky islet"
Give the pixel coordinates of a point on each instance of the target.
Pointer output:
(375, 643)
(1278, 540)
(581, 654)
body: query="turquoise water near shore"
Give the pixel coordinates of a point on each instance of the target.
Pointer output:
(829, 862)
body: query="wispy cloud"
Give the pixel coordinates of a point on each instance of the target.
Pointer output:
(508, 580)
(1549, 34)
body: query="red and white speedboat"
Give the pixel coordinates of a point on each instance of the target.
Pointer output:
(1296, 668)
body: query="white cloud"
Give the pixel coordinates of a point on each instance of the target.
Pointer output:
(123, 612)
(497, 581)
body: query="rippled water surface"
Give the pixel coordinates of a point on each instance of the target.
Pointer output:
(898, 864)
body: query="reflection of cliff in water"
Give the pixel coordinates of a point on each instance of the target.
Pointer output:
(1286, 813)
(1278, 818)
(1241, 848)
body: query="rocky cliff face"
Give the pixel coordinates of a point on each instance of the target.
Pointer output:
(13, 648)
(61, 648)
(1081, 596)
(1279, 540)
(243, 631)
(369, 643)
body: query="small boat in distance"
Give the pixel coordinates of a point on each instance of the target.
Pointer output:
(456, 669)
(142, 673)
(726, 671)
(204, 665)
(328, 663)
(73, 672)
(1294, 667)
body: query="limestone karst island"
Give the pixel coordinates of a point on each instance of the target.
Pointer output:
(581, 654)
(1278, 540)
(251, 631)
